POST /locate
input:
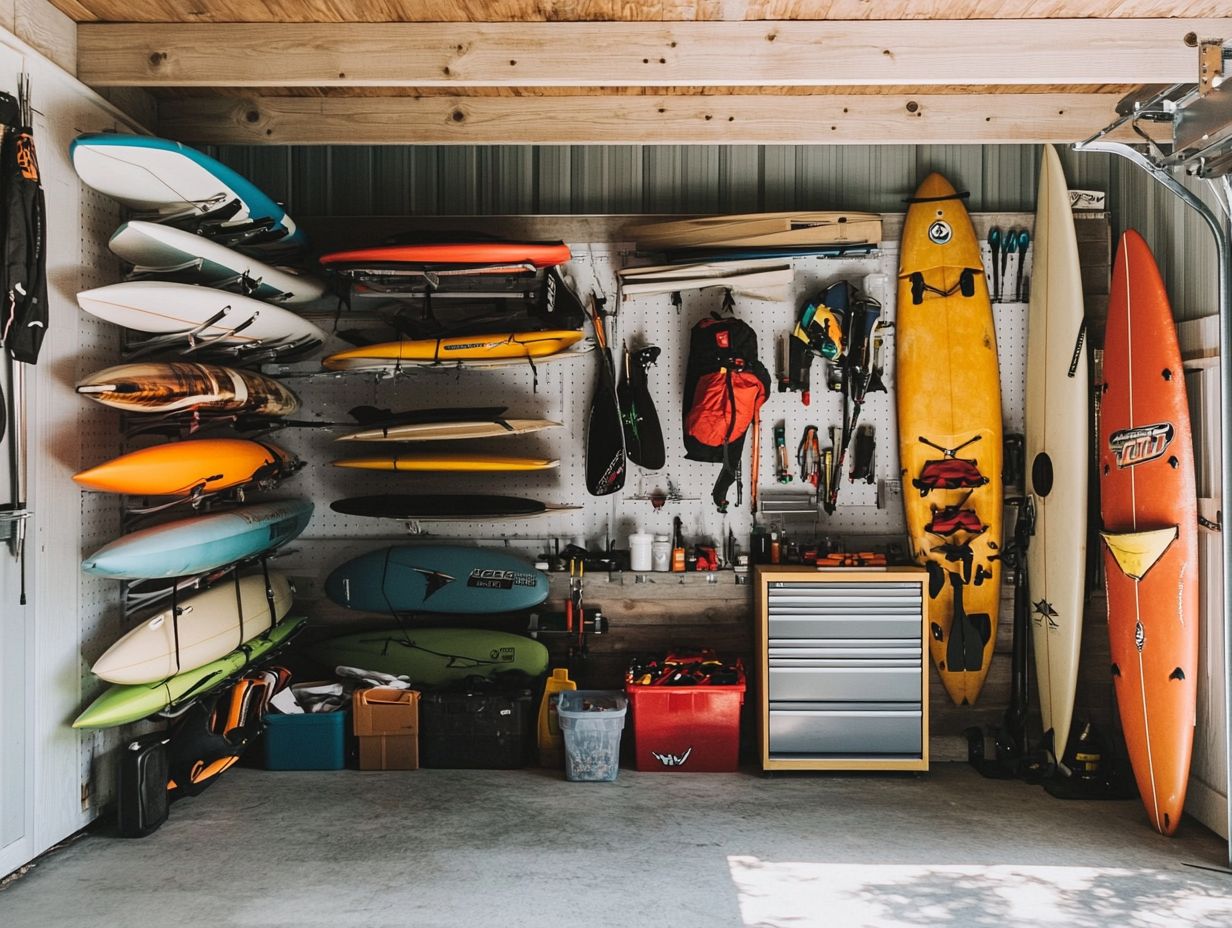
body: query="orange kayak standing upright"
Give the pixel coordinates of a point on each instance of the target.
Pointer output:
(1150, 530)
(949, 432)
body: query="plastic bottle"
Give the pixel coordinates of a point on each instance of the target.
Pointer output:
(551, 741)
(639, 551)
(661, 554)
(775, 549)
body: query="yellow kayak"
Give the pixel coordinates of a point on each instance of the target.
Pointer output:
(949, 432)
(499, 346)
(184, 467)
(457, 463)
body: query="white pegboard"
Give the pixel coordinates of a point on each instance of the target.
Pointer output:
(564, 393)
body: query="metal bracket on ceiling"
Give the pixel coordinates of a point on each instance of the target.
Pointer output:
(1200, 115)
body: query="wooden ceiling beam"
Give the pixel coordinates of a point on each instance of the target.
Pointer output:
(648, 54)
(596, 119)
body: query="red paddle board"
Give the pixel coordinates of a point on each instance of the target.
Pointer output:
(455, 254)
(1150, 532)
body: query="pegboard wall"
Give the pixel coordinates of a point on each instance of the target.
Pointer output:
(563, 394)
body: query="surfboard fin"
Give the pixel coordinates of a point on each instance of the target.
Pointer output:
(1137, 552)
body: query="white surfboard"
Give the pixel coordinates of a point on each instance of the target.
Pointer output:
(165, 252)
(453, 431)
(1057, 433)
(208, 628)
(760, 280)
(162, 308)
(169, 180)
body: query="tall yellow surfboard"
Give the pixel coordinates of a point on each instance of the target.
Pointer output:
(949, 431)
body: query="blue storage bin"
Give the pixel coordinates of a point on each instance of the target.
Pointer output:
(313, 741)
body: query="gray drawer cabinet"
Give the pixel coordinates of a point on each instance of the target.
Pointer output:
(842, 670)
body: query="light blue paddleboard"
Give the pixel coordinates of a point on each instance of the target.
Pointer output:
(200, 543)
(170, 180)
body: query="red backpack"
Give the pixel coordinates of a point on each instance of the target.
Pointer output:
(724, 388)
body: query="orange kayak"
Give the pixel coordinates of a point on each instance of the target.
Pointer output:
(1149, 508)
(485, 253)
(180, 468)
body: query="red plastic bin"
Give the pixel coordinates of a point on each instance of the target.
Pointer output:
(683, 729)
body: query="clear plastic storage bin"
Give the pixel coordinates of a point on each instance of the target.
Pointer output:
(591, 721)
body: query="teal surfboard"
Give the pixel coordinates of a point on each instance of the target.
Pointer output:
(200, 543)
(120, 704)
(432, 656)
(437, 578)
(173, 182)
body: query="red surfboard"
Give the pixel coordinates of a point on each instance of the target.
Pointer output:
(1149, 508)
(430, 255)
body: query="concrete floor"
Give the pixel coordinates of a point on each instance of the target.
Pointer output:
(523, 848)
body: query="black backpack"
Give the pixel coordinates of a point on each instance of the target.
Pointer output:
(724, 388)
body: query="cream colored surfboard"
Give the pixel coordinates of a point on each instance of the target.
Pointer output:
(208, 628)
(1058, 432)
(461, 429)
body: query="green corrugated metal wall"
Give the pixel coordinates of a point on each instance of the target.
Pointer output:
(511, 179)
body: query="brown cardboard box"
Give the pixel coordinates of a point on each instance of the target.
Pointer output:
(387, 723)
(389, 752)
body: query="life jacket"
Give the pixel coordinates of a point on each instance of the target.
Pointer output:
(953, 519)
(949, 474)
(724, 389)
(208, 739)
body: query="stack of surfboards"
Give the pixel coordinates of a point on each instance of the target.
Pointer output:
(188, 289)
(445, 580)
(198, 642)
(168, 182)
(448, 507)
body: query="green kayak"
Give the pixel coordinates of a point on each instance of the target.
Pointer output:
(432, 656)
(120, 704)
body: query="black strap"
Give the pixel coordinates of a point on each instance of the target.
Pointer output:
(269, 593)
(239, 602)
(949, 196)
(175, 623)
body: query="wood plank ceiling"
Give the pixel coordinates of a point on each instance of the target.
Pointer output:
(606, 71)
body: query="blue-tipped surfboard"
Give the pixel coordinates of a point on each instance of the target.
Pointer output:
(169, 181)
(200, 543)
(437, 578)
(162, 252)
(433, 656)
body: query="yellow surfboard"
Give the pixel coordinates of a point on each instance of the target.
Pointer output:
(455, 463)
(499, 346)
(949, 431)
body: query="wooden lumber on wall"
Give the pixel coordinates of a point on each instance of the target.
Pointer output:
(866, 119)
(648, 54)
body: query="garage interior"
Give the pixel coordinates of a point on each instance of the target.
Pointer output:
(581, 123)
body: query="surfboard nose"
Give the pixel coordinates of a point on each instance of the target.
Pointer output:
(934, 186)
